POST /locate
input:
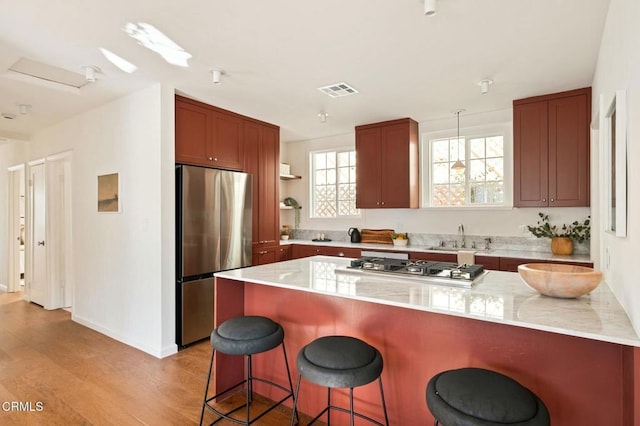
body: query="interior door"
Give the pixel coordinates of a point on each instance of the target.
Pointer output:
(38, 286)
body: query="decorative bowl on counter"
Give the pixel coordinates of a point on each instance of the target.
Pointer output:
(400, 242)
(559, 280)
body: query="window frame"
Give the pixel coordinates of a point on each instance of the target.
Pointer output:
(312, 184)
(468, 133)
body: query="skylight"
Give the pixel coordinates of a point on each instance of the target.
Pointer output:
(153, 39)
(118, 61)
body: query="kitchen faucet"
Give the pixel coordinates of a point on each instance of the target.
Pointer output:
(461, 232)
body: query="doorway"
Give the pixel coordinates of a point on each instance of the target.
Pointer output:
(17, 229)
(48, 242)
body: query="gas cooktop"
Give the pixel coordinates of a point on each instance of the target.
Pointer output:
(449, 273)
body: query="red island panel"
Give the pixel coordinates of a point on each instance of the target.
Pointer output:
(581, 381)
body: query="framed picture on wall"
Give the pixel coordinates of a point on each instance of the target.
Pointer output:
(109, 193)
(615, 154)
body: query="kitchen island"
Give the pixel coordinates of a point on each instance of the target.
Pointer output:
(581, 356)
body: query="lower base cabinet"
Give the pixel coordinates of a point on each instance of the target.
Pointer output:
(510, 264)
(265, 255)
(300, 250)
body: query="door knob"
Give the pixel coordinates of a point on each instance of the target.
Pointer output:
(40, 243)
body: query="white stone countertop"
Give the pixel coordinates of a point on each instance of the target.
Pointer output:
(523, 254)
(499, 297)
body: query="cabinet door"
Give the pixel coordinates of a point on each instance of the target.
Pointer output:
(261, 161)
(368, 157)
(489, 262)
(284, 253)
(395, 166)
(510, 264)
(299, 251)
(569, 152)
(434, 257)
(226, 146)
(530, 155)
(265, 255)
(192, 134)
(251, 138)
(340, 251)
(269, 185)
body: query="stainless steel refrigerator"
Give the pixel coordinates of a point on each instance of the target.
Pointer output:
(213, 234)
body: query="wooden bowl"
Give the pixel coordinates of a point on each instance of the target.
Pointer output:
(559, 280)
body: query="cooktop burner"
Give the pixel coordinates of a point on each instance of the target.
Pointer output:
(419, 268)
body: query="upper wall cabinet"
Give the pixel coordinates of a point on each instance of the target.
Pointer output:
(208, 136)
(387, 165)
(551, 150)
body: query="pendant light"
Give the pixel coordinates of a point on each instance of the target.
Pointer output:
(458, 165)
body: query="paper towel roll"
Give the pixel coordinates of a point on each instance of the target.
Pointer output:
(466, 257)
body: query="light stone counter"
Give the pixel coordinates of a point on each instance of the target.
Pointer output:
(499, 297)
(523, 254)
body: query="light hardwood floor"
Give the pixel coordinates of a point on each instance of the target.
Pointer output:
(82, 377)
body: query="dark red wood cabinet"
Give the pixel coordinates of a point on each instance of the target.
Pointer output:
(510, 264)
(207, 136)
(213, 137)
(302, 250)
(434, 257)
(262, 151)
(489, 262)
(551, 150)
(387, 158)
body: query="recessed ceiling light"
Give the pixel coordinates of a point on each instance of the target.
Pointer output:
(153, 39)
(118, 61)
(338, 90)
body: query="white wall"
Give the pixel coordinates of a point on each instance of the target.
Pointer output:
(495, 222)
(618, 68)
(124, 282)
(11, 154)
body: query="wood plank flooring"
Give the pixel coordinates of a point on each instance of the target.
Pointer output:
(82, 377)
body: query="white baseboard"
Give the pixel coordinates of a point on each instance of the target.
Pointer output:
(3, 287)
(158, 353)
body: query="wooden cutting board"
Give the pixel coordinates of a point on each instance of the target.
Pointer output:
(378, 236)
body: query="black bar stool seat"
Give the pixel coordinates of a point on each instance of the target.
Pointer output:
(246, 335)
(340, 362)
(475, 396)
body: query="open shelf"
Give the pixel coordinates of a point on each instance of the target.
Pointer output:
(290, 177)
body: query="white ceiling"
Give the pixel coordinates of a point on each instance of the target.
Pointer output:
(276, 53)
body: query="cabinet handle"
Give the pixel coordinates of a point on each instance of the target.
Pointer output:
(544, 200)
(552, 200)
(210, 158)
(215, 159)
(377, 203)
(341, 254)
(383, 203)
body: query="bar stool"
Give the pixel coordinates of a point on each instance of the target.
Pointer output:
(475, 396)
(246, 335)
(340, 362)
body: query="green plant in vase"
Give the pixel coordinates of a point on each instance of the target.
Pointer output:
(291, 202)
(562, 238)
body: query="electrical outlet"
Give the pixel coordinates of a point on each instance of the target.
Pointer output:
(523, 230)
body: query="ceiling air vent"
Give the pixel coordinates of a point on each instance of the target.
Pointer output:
(338, 90)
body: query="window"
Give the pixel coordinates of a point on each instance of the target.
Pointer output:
(481, 182)
(333, 186)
